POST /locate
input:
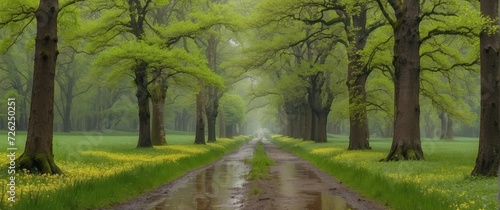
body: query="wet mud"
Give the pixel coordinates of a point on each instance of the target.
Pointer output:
(293, 184)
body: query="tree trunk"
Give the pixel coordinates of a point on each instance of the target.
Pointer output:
(308, 115)
(38, 154)
(444, 127)
(282, 120)
(358, 120)
(211, 122)
(292, 115)
(314, 126)
(66, 124)
(356, 82)
(141, 82)
(487, 161)
(200, 123)
(212, 110)
(213, 93)
(429, 126)
(158, 98)
(449, 129)
(319, 109)
(406, 143)
(68, 95)
(321, 127)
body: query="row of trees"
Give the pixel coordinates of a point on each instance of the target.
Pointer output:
(158, 44)
(428, 50)
(389, 59)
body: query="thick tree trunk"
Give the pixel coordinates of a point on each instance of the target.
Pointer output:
(200, 123)
(487, 161)
(157, 125)
(358, 120)
(213, 93)
(141, 82)
(211, 122)
(406, 143)
(314, 126)
(158, 99)
(321, 135)
(319, 109)
(356, 82)
(38, 155)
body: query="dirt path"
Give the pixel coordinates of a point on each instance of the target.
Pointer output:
(293, 184)
(297, 184)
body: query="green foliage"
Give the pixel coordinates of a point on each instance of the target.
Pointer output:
(177, 60)
(233, 107)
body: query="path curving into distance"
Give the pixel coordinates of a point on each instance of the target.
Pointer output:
(293, 184)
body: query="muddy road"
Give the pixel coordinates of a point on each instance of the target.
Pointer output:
(293, 184)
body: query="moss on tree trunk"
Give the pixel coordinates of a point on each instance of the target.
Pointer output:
(406, 143)
(38, 155)
(38, 163)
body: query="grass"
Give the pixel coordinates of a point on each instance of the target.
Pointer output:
(101, 169)
(260, 162)
(442, 181)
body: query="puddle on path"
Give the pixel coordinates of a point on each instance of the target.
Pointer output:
(303, 189)
(221, 186)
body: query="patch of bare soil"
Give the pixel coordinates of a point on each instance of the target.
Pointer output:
(297, 184)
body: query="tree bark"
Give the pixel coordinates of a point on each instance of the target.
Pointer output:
(211, 122)
(211, 111)
(356, 82)
(38, 154)
(358, 120)
(308, 117)
(319, 109)
(487, 161)
(141, 82)
(136, 24)
(321, 127)
(214, 94)
(406, 143)
(158, 99)
(200, 123)
(292, 117)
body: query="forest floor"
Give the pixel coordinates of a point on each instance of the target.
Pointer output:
(292, 184)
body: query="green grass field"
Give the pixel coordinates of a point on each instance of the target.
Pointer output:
(101, 169)
(442, 181)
